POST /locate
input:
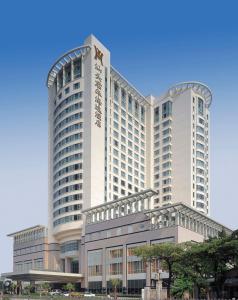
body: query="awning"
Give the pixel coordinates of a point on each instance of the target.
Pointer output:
(36, 275)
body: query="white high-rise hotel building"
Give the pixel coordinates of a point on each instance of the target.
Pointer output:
(106, 140)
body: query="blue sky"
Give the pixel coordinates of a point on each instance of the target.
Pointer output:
(154, 44)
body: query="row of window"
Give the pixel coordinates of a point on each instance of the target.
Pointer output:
(66, 76)
(67, 120)
(68, 110)
(67, 189)
(67, 130)
(24, 266)
(166, 111)
(67, 160)
(129, 125)
(28, 250)
(129, 169)
(123, 175)
(133, 105)
(69, 246)
(67, 199)
(125, 140)
(67, 90)
(68, 169)
(129, 129)
(68, 149)
(67, 219)
(130, 148)
(67, 209)
(68, 139)
(67, 101)
(68, 179)
(167, 198)
(30, 236)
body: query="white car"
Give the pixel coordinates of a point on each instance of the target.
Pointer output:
(55, 293)
(88, 294)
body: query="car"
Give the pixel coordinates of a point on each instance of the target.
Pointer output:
(55, 292)
(88, 294)
(66, 294)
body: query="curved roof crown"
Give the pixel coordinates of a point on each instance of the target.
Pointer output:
(63, 60)
(197, 87)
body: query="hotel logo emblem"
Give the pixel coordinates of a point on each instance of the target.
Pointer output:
(98, 54)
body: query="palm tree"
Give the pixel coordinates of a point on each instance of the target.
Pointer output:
(115, 282)
(45, 287)
(70, 287)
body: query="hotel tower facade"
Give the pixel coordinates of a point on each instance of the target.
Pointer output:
(108, 141)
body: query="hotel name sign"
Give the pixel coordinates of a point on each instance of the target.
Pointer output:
(98, 86)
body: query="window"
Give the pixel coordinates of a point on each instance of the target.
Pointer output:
(167, 131)
(201, 121)
(77, 68)
(167, 123)
(123, 98)
(167, 198)
(200, 106)
(167, 181)
(167, 189)
(95, 263)
(67, 73)
(76, 86)
(115, 179)
(167, 140)
(156, 114)
(130, 104)
(116, 90)
(142, 115)
(67, 219)
(136, 108)
(166, 109)
(69, 246)
(67, 90)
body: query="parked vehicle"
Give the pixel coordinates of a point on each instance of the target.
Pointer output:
(55, 292)
(88, 294)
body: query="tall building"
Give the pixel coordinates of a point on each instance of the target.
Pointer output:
(181, 146)
(124, 170)
(106, 141)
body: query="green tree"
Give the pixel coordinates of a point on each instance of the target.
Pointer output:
(182, 285)
(209, 260)
(44, 287)
(167, 253)
(69, 287)
(115, 283)
(13, 288)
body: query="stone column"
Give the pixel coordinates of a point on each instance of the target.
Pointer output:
(104, 269)
(67, 265)
(124, 269)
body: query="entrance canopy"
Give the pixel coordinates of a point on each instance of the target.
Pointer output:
(36, 275)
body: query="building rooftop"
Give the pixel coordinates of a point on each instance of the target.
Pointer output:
(26, 230)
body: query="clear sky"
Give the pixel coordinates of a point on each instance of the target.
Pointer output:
(154, 44)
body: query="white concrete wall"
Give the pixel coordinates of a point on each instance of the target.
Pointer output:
(182, 148)
(94, 141)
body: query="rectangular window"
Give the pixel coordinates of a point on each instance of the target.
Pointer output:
(166, 109)
(200, 106)
(95, 263)
(130, 104)
(156, 115)
(76, 86)
(77, 68)
(67, 72)
(67, 90)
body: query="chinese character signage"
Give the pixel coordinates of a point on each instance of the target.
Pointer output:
(98, 86)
